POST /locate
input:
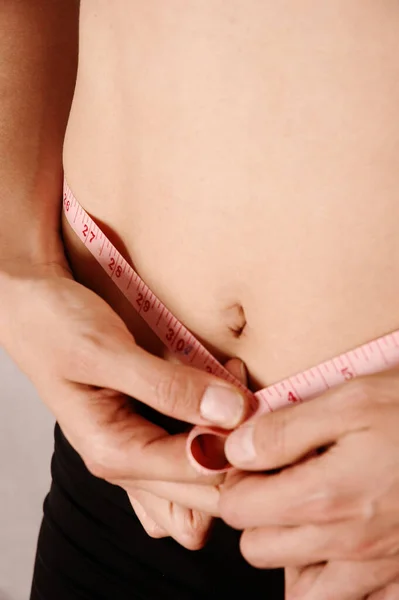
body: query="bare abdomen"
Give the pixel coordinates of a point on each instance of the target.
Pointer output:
(245, 158)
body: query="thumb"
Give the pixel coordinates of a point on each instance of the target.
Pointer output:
(176, 390)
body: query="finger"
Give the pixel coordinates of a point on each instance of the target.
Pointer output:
(280, 438)
(348, 580)
(390, 592)
(179, 391)
(203, 498)
(328, 488)
(301, 579)
(206, 446)
(304, 494)
(189, 528)
(273, 547)
(291, 576)
(119, 445)
(151, 528)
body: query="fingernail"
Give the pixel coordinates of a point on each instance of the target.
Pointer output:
(222, 406)
(240, 446)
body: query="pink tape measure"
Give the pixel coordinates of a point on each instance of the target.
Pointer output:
(203, 448)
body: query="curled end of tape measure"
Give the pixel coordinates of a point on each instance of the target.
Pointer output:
(205, 445)
(205, 450)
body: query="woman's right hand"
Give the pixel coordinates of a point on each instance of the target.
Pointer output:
(86, 367)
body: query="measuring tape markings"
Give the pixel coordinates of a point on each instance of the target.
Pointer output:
(172, 333)
(371, 357)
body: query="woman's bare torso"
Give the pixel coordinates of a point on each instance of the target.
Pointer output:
(244, 156)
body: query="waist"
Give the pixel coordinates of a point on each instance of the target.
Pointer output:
(282, 305)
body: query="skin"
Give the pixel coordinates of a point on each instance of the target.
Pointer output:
(86, 365)
(215, 131)
(337, 508)
(245, 161)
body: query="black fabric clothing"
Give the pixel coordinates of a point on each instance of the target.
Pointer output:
(92, 546)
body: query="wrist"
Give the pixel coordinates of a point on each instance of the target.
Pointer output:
(45, 257)
(30, 228)
(32, 267)
(17, 276)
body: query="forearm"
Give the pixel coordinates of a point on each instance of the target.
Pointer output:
(38, 61)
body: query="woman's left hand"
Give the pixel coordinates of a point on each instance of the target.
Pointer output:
(337, 580)
(183, 511)
(338, 505)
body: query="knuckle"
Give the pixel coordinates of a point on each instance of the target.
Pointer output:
(352, 547)
(167, 392)
(273, 445)
(155, 531)
(98, 464)
(373, 547)
(362, 549)
(325, 509)
(174, 392)
(360, 545)
(194, 531)
(98, 469)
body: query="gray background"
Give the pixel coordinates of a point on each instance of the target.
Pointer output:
(25, 452)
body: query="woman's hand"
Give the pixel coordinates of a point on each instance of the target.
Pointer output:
(87, 368)
(164, 506)
(356, 580)
(335, 497)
